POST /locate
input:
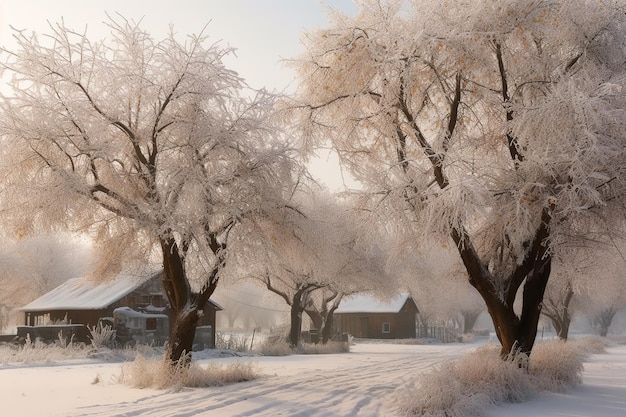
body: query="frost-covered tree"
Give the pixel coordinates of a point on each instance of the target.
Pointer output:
(32, 266)
(424, 274)
(604, 293)
(154, 148)
(496, 126)
(314, 258)
(557, 306)
(49, 260)
(320, 308)
(244, 308)
(572, 277)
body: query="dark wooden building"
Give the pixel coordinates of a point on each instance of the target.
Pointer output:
(364, 316)
(82, 301)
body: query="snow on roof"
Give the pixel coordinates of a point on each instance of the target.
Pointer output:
(216, 305)
(129, 312)
(84, 294)
(366, 303)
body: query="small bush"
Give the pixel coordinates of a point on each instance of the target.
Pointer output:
(467, 386)
(273, 347)
(323, 349)
(234, 342)
(62, 341)
(160, 374)
(37, 351)
(279, 347)
(467, 338)
(481, 332)
(557, 365)
(592, 344)
(102, 336)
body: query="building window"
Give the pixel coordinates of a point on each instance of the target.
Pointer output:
(151, 324)
(386, 327)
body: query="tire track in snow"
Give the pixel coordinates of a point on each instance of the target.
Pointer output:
(361, 386)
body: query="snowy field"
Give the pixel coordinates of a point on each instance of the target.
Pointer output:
(364, 382)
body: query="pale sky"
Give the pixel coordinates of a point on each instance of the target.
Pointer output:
(263, 31)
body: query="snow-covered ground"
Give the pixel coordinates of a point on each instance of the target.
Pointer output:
(364, 382)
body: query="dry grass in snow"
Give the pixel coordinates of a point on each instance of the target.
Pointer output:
(160, 374)
(277, 346)
(466, 387)
(323, 349)
(38, 352)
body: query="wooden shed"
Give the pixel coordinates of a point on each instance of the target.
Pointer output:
(81, 301)
(365, 316)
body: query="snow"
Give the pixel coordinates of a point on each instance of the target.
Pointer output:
(603, 392)
(85, 294)
(364, 382)
(129, 312)
(365, 303)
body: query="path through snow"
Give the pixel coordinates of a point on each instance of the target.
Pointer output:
(362, 383)
(357, 384)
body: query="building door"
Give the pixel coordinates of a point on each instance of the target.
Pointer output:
(364, 326)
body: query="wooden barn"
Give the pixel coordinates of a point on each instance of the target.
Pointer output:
(132, 302)
(364, 316)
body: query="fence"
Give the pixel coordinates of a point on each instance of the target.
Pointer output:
(77, 333)
(7, 338)
(441, 333)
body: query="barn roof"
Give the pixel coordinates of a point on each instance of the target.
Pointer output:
(367, 303)
(85, 294)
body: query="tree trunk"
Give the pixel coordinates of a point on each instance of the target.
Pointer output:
(327, 330)
(296, 318)
(185, 306)
(323, 320)
(182, 333)
(556, 323)
(516, 333)
(604, 319)
(563, 331)
(317, 320)
(469, 320)
(298, 303)
(558, 313)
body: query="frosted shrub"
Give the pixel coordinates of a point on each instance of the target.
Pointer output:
(37, 351)
(160, 374)
(62, 340)
(441, 394)
(592, 344)
(557, 365)
(275, 347)
(322, 349)
(279, 347)
(468, 338)
(467, 386)
(235, 342)
(102, 336)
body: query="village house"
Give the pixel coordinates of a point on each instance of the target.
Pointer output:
(133, 304)
(364, 316)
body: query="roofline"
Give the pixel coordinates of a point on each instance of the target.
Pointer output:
(34, 310)
(407, 296)
(369, 312)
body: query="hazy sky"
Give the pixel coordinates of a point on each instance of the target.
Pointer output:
(263, 31)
